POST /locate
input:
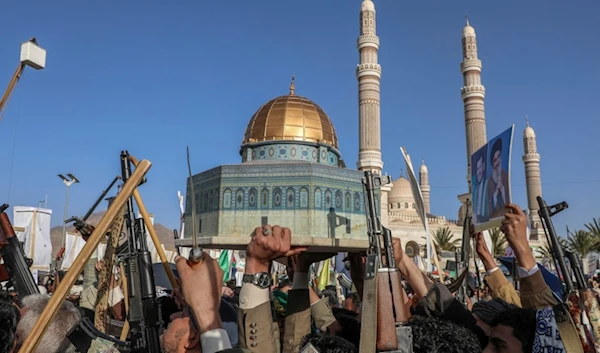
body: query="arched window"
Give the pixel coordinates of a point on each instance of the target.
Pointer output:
(264, 198)
(252, 198)
(227, 198)
(239, 199)
(414, 206)
(356, 201)
(406, 205)
(290, 198)
(348, 205)
(328, 200)
(338, 200)
(277, 198)
(304, 198)
(318, 198)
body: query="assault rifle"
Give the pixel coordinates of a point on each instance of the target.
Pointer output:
(383, 295)
(144, 311)
(573, 296)
(16, 264)
(143, 315)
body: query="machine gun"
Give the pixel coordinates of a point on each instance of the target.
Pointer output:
(143, 315)
(573, 296)
(383, 303)
(15, 262)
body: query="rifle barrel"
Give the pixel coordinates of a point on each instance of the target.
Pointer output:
(93, 208)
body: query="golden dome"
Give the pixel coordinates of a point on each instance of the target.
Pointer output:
(291, 118)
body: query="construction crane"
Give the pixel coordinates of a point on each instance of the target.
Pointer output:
(32, 55)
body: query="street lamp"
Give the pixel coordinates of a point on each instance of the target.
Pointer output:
(68, 182)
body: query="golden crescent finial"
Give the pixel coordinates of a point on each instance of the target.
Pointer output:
(293, 86)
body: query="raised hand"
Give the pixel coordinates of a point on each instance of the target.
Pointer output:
(267, 244)
(483, 252)
(514, 227)
(201, 285)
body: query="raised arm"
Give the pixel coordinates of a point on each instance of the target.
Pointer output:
(500, 286)
(535, 293)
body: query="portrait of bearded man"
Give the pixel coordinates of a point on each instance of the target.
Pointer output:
(498, 187)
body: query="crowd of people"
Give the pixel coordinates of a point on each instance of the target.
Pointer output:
(206, 315)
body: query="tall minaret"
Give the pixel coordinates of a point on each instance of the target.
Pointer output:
(473, 94)
(368, 73)
(531, 159)
(424, 185)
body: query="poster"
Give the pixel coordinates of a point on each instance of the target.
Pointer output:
(490, 181)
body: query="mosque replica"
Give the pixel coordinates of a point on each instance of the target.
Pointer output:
(292, 172)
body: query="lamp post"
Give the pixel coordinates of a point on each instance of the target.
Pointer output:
(68, 182)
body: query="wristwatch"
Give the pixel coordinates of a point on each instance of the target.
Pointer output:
(261, 279)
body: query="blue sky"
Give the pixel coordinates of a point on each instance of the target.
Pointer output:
(155, 76)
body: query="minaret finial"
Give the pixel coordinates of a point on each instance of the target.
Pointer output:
(526, 120)
(422, 161)
(293, 86)
(467, 18)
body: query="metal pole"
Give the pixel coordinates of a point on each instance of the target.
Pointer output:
(64, 235)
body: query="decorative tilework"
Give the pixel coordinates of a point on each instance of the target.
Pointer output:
(291, 151)
(306, 197)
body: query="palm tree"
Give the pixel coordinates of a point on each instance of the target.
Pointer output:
(546, 251)
(582, 242)
(442, 238)
(499, 242)
(594, 227)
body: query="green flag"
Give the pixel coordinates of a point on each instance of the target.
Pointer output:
(225, 264)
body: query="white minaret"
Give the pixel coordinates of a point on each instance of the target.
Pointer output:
(424, 185)
(473, 95)
(368, 73)
(533, 180)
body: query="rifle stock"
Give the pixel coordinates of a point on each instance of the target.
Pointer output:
(15, 263)
(386, 322)
(382, 274)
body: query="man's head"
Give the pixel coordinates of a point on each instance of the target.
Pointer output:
(9, 318)
(486, 311)
(55, 338)
(496, 155)
(432, 335)
(180, 335)
(480, 165)
(331, 296)
(352, 302)
(512, 331)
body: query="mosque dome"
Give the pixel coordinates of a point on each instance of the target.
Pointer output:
(367, 5)
(401, 192)
(291, 118)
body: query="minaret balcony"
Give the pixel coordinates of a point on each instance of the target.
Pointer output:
(367, 41)
(368, 70)
(531, 157)
(470, 65)
(472, 91)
